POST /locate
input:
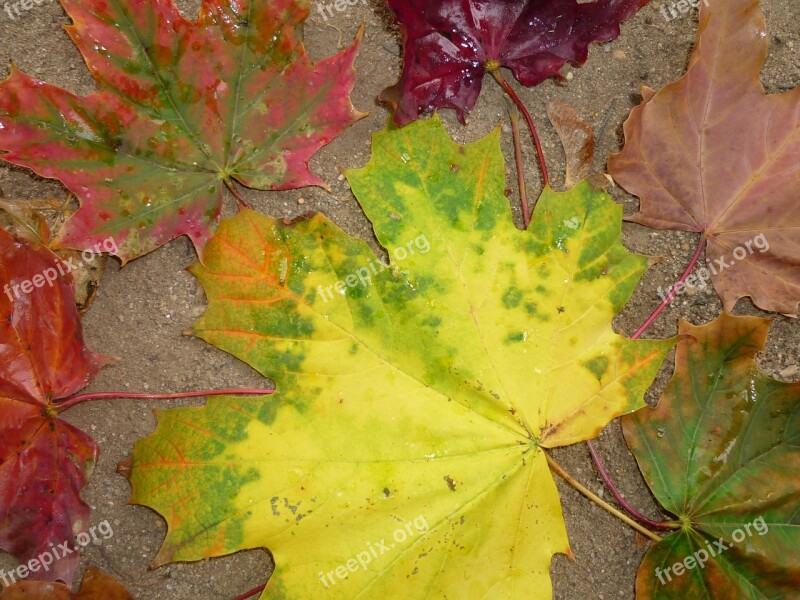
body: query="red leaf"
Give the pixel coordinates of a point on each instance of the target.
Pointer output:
(44, 461)
(183, 108)
(450, 44)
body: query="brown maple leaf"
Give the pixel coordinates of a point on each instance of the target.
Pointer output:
(712, 153)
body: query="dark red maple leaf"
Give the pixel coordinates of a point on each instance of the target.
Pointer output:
(448, 45)
(44, 461)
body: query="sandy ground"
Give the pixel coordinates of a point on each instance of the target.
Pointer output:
(142, 309)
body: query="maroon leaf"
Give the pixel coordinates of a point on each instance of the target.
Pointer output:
(450, 44)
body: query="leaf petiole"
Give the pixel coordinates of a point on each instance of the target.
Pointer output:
(631, 511)
(649, 321)
(498, 76)
(79, 398)
(673, 291)
(598, 500)
(231, 185)
(523, 195)
(252, 592)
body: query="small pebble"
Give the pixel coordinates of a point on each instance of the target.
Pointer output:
(301, 200)
(619, 54)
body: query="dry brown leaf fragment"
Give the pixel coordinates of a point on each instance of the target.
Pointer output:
(576, 137)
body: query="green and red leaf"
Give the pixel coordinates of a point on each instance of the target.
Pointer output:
(183, 108)
(721, 451)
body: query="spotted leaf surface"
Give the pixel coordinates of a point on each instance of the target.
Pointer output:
(402, 454)
(182, 109)
(449, 45)
(721, 451)
(712, 153)
(44, 461)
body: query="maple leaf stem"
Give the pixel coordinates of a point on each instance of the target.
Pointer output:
(236, 194)
(649, 321)
(598, 500)
(630, 510)
(528, 119)
(673, 290)
(252, 592)
(523, 196)
(79, 398)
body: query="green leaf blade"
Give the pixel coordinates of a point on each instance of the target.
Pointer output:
(720, 451)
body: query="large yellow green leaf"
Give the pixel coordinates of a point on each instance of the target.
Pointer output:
(402, 454)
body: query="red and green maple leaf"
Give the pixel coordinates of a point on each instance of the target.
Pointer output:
(721, 453)
(183, 109)
(448, 45)
(44, 461)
